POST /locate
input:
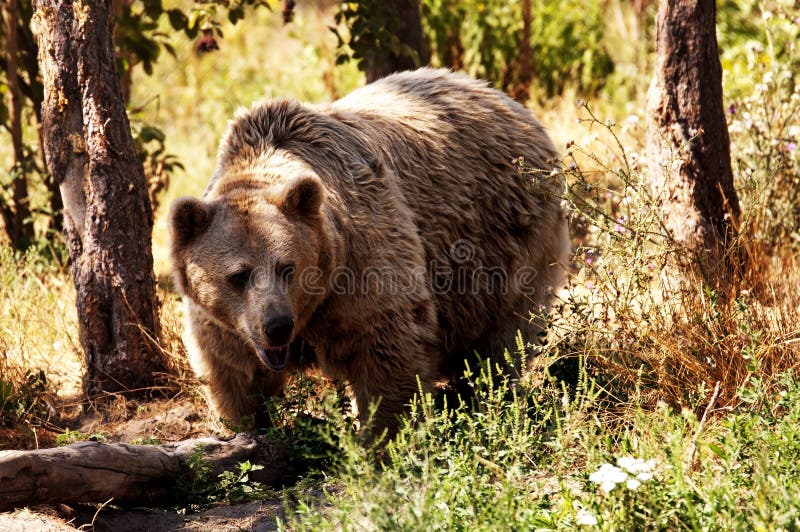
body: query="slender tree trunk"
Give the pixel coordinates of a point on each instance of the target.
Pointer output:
(17, 217)
(27, 51)
(522, 88)
(406, 14)
(108, 216)
(688, 143)
(451, 48)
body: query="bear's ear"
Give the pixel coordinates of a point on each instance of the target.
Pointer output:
(188, 218)
(302, 196)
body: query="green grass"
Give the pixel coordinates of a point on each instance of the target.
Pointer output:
(522, 460)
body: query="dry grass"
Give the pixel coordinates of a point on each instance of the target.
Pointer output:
(649, 320)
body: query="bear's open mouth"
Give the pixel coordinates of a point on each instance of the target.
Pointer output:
(274, 357)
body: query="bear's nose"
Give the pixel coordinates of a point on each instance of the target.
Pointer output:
(278, 330)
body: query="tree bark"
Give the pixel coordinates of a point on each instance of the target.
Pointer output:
(408, 19)
(16, 217)
(142, 474)
(521, 89)
(108, 217)
(687, 139)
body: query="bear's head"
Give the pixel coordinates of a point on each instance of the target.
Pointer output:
(254, 259)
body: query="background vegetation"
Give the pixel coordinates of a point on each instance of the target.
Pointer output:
(697, 384)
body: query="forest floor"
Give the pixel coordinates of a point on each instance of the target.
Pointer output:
(163, 421)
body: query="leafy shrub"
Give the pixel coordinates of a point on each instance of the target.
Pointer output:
(483, 38)
(756, 35)
(199, 487)
(372, 30)
(450, 468)
(159, 165)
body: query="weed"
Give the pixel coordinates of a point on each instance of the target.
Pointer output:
(147, 440)
(25, 401)
(199, 486)
(69, 436)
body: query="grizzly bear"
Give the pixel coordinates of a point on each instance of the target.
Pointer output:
(391, 231)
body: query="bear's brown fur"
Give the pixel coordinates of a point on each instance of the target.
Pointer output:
(389, 230)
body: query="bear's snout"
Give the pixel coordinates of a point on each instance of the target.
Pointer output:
(279, 330)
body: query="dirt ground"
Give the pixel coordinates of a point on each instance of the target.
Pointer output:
(255, 516)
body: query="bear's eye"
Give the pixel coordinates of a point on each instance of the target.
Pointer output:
(285, 271)
(240, 279)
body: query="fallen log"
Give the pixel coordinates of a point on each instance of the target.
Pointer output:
(96, 472)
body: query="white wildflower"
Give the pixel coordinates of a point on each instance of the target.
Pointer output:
(632, 471)
(640, 470)
(608, 476)
(794, 131)
(585, 517)
(635, 466)
(766, 15)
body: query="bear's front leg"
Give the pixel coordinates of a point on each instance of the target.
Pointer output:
(234, 383)
(389, 375)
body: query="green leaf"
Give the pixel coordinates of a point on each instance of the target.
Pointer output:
(235, 15)
(4, 117)
(719, 451)
(149, 133)
(153, 8)
(194, 22)
(177, 19)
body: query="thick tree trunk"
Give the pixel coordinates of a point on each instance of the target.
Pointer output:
(142, 474)
(16, 217)
(688, 143)
(108, 216)
(406, 14)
